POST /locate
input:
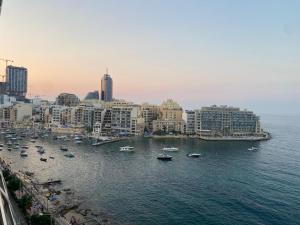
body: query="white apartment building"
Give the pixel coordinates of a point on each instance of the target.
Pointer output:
(126, 120)
(189, 118)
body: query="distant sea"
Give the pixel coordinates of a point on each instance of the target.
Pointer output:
(227, 185)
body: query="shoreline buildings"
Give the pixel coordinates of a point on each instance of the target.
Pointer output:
(117, 118)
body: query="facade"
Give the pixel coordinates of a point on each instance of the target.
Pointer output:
(3, 88)
(227, 121)
(102, 121)
(170, 118)
(16, 81)
(126, 120)
(18, 115)
(6, 100)
(106, 88)
(67, 99)
(189, 118)
(149, 113)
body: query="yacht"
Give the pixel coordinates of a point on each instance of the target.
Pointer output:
(64, 148)
(194, 155)
(164, 157)
(69, 155)
(252, 149)
(126, 149)
(170, 149)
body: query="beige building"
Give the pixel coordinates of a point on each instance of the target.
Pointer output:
(169, 118)
(149, 113)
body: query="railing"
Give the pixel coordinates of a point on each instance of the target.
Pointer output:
(6, 210)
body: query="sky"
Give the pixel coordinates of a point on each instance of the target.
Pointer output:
(240, 53)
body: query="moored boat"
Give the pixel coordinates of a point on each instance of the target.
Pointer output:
(164, 157)
(126, 149)
(43, 159)
(64, 148)
(194, 155)
(252, 149)
(69, 155)
(23, 154)
(170, 149)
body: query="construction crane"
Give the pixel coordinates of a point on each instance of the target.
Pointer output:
(6, 63)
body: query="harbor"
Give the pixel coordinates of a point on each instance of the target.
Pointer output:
(133, 186)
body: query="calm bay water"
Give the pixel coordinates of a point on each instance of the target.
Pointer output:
(227, 185)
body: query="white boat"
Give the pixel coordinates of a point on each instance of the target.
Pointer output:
(164, 157)
(194, 155)
(170, 149)
(126, 149)
(252, 149)
(32, 141)
(69, 155)
(97, 143)
(23, 154)
(78, 142)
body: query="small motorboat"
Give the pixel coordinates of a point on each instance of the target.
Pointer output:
(51, 157)
(24, 147)
(23, 154)
(32, 141)
(9, 149)
(252, 149)
(126, 149)
(69, 155)
(164, 157)
(194, 155)
(171, 149)
(96, 143)
(43, 159)
(64, 148)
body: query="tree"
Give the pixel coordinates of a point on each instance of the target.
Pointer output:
(40, 220)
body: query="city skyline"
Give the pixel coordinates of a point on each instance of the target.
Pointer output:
(156, 56)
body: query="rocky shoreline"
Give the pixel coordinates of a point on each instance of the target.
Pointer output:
(51, 198)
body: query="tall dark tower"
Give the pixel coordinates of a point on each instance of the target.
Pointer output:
(0, 5)
(106, 88)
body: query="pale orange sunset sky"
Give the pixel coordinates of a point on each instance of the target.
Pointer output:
(197, 52)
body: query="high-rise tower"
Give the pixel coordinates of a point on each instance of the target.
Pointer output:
(106, 88)
(16, 81)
